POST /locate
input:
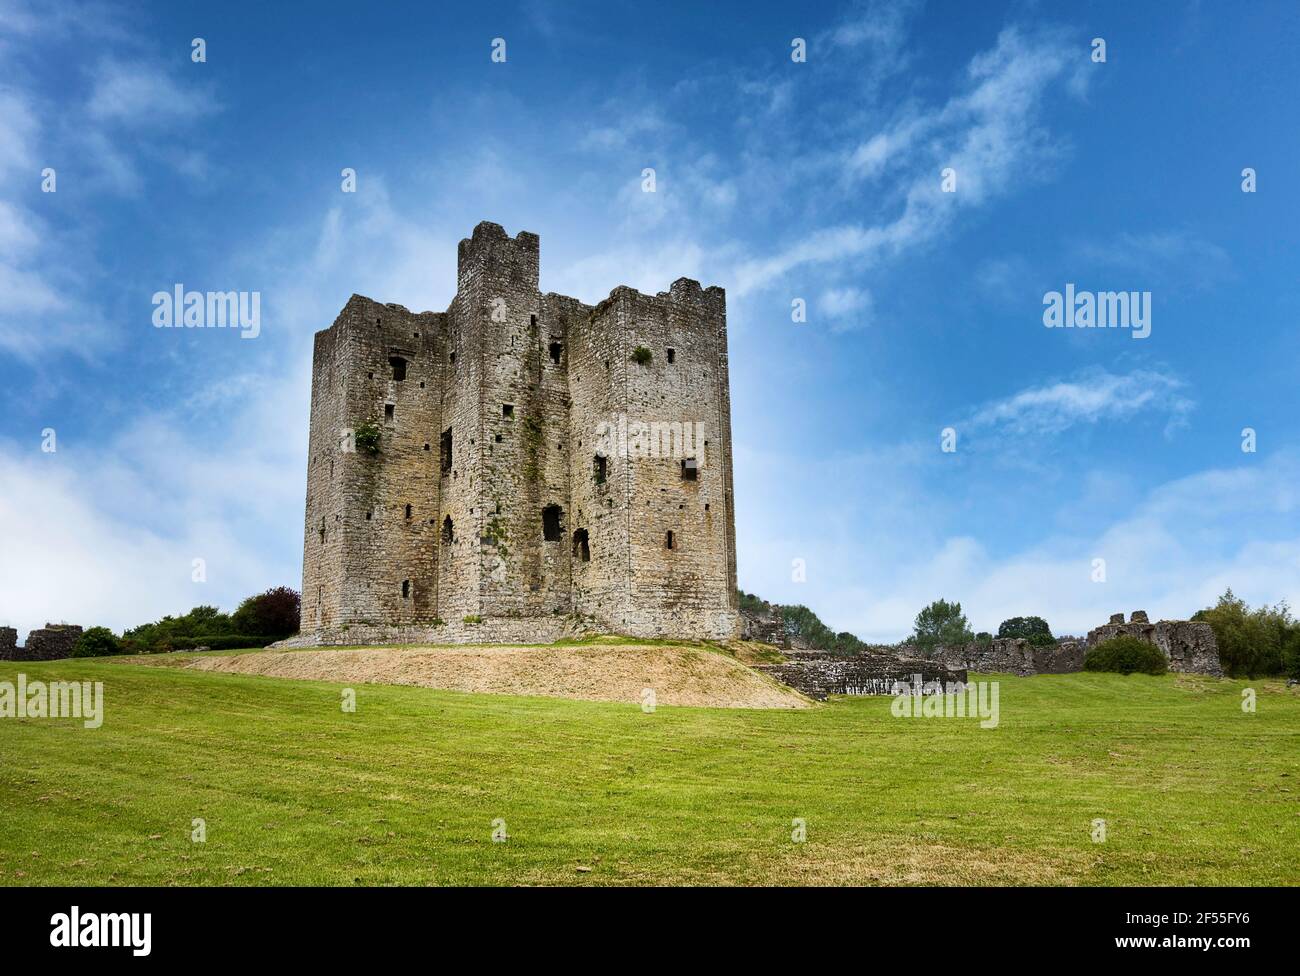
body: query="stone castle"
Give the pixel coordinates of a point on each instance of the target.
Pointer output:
(522, 465)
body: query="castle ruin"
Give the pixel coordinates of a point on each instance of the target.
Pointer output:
(521, 465)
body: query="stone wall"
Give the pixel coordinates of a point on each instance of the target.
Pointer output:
(51, 643)
(818, 675)
(1015, 655)
(498, 492)
(8, 643)
(1188, 645)
(766, 626)
(1002, 655)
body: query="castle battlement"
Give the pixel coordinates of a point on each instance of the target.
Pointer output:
(461, 484)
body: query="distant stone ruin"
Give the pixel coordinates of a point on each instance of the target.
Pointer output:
(818, 674)
(1188, 645)
(766, 626)
(51, 643)
(1013, 655)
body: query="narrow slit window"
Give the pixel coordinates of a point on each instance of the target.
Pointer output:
(406, 589)
(556, 350)
(672, 355)
(444, 450)
(389, 410)
(448, 531)
(408, 511)
(670, 540)
(581, 548)
(600, 468)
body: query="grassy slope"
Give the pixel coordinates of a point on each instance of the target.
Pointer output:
(405, 790)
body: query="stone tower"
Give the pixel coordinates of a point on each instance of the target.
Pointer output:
(520, 462)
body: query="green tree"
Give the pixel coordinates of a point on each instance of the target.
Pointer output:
(274, 613)
(941, 624)
(1256, 642)
(804, 626)
(1032, 629)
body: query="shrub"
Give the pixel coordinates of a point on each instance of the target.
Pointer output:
(941, 624)
(222, 642)
(366, 437)
(273, 613)
(1124, 655)
(472, 618)
(1032, 629)
(96, 642)
(641, 355)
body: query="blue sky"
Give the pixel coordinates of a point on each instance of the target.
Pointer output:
(776, 180)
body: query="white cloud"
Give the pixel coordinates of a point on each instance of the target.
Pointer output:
(135, 93)
(847, 308)
(1170, 551)
(1093, 396)
(1164, 258)
(106, 535)
(990, 134)
(18, 130)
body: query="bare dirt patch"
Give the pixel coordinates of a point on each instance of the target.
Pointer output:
(678, 675)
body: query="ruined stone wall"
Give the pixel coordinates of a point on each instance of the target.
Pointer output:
(8, 643)
(1013, 655)
(818, 675)
(766, 626)
(1189, 646)
(51, 643)
(513, 522)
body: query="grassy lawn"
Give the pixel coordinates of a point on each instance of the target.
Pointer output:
(406, 789)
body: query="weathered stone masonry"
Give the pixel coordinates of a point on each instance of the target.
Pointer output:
(496, 507)
(49, 643)
(1188, 645)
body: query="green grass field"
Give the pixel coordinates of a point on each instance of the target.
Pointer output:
(405, 790)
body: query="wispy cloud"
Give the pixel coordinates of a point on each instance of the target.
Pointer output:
(1092, 397)
(991, 135)
(1166, 258)
(848, 308)
(136, 93)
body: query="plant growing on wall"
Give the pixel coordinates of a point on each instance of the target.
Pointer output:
(366, 437)
(641, 355)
